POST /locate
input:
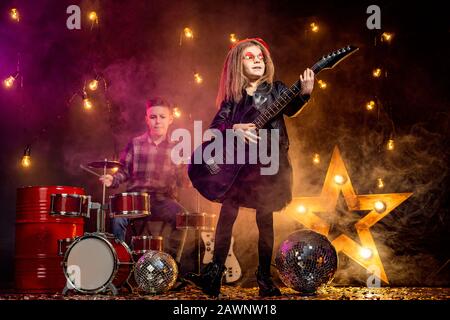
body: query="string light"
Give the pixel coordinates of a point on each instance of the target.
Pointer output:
(322, 84)
(338, 179)
(14, 14)
(380, 183)
(379, 206)
(93, 16)
(314, 27)
(9, 82)
(316, 158)
(301, 209)
(87, 104)
(386, 36)
(198, 78)
(93, 85)
(176, 112)
(365, 253)
(376, 73)
(233, 38)
(370, 105)
(188, 33)
(26, 159)
(390, 144)
(114, 170)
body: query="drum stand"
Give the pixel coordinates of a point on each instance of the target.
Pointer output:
(101, 217)
(110, 286)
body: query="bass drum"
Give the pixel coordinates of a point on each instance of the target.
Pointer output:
(95, 261)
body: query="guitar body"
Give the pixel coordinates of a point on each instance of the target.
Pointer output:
(212, 179)
(233, 270)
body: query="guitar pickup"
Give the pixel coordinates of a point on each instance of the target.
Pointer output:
(212, 166)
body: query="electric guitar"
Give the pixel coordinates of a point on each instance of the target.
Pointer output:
(214, 179)
(233, 270)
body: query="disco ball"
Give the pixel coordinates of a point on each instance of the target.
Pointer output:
(155, 272)
(306, 260)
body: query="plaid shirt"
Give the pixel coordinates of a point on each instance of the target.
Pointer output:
(148, 167)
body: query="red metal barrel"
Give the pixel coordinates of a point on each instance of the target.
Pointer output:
(37, 264)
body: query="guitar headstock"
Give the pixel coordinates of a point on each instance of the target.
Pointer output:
(332, 59)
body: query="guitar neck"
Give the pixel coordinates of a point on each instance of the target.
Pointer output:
(282, 101)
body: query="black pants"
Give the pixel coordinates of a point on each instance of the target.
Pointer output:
(228, 215)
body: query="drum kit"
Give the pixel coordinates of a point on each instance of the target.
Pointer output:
(99, 262)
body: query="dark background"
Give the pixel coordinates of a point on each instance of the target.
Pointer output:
(136, 48)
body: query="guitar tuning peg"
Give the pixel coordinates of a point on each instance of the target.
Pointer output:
(348, 47)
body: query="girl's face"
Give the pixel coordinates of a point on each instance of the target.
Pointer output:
(253, 61)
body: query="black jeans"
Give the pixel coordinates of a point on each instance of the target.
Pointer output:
(228, 215)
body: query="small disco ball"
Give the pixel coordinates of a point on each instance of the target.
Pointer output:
(155, 272)
(306, 260)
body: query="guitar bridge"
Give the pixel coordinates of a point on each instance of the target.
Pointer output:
(212, 166)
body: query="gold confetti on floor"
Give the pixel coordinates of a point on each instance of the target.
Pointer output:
(239, 293)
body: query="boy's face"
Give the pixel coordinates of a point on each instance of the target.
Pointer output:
(158, 119)
(253, 62)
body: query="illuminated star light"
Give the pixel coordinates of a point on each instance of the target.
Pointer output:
(365, 251)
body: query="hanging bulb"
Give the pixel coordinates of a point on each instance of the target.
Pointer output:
(93, 85)
(386, 36)
(370, 105)
(9, 82)
(26, 159)
(87, 104)
(322, 84)
(376, 73)
(316, 158)
(176, 112)
(314, 27)
(188, 33)
(93, 16)
(14, 14)
(380, 183)
(233, 38)
(114, 170)
(390, 144)
(198, 78)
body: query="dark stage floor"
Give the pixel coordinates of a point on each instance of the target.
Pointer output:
(238, 293)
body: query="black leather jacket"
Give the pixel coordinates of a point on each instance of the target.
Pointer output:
(264, 95)
(267, 192)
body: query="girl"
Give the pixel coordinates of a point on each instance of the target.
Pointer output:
(246, 81)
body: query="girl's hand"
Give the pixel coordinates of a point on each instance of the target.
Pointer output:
(307, 82)
(247, 132)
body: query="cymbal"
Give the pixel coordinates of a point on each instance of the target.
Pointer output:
(108, 163)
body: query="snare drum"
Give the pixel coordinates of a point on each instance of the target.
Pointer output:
(129, 205)
(142, 244)
(196, 221)
(95, 261)
(70, 205)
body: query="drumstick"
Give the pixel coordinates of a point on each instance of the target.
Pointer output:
(89, 170)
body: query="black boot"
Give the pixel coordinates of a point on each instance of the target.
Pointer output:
(209, 280)
(267, 287)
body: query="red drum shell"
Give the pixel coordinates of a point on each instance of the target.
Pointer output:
(37, 264)
(145, 243)
(129, 205)
(195, 220)
(69, 205)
